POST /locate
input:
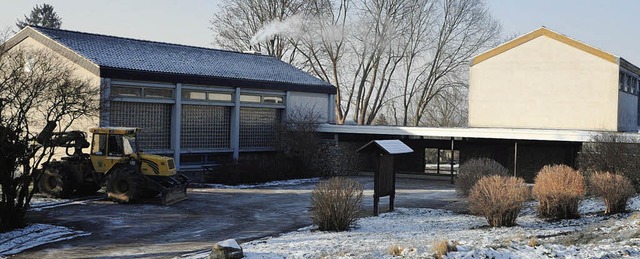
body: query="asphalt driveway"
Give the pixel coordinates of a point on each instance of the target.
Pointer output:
(209, 215)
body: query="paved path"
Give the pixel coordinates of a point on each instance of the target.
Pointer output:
(209, 215)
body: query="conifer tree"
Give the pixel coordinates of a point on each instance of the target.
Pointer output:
(41, 15)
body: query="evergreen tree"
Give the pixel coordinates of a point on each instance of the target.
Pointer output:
(41, 15)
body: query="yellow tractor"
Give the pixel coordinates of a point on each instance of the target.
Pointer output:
(114, 161)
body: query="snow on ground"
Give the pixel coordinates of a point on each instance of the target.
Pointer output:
(39, 203)
(416, 230)
(260, 185)
(16, 241)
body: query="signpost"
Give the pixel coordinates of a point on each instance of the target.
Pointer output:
(384, 179)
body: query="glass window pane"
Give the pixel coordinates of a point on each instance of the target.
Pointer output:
(220, 97)
(158, 93)
(126, 91)
(273, 99)
(99, 147)
(194, 95)
(250, 98)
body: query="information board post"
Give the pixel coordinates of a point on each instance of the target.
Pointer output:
(384, 175)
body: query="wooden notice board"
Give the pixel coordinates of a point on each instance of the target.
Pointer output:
(384, 176)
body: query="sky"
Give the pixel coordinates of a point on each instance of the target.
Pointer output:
(610, 25)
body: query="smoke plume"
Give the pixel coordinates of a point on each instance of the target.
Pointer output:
(290, 27)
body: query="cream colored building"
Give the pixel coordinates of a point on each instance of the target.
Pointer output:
(546, 80)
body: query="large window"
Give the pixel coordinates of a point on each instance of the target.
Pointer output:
(258, 126)
(205, 127)
(153, 118)
(628, 83)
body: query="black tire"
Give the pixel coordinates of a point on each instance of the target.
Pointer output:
(124, 185)
(55, 181)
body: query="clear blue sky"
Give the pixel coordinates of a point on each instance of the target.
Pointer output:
(609, 25)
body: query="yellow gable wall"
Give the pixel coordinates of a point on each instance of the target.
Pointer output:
(544, 84)
(82, 124)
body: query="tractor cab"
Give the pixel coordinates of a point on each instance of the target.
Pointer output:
(111, 146)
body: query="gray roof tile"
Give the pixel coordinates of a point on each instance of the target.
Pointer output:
(166, 58)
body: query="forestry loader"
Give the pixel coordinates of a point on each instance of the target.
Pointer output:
(114, 161)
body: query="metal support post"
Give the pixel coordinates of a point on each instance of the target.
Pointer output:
(452, 149)
(515, 159)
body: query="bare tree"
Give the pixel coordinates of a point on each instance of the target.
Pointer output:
(358, 55)
(401, 54)
(465, 27)
(239, 21)
(448, 109)
(36, 88)
(323, 48)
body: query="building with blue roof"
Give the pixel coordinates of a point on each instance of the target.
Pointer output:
(200, 105)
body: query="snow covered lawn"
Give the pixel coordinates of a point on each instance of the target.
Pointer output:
(416, 230)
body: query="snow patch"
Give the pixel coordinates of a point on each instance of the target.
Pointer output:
(229, 243)
(262, 185)
(16, 241)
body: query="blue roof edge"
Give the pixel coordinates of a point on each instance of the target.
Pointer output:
(127, 74)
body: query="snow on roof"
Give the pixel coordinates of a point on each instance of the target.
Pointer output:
(124, 54)
(390, 146)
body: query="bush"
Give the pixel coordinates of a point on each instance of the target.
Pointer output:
(442, 248)
(396, 250)
(558, 189)
(335, 203)
(611, 152)
(471, 171)
(499, 199)
(614, 189)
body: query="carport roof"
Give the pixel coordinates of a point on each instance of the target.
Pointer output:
(478, 133)
(125, 58)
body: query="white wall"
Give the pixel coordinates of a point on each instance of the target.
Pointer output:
(544, 84)
(309, 103)
(82, 124)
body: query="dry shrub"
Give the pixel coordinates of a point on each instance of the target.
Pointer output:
(471, 171)
(442, 248)
(614, 189)
(499, 199)
(396, 250)
(612, 152)
(558, 189)
(335, 203)
(533, 242)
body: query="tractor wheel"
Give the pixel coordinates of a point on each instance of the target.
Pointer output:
(124, 185)
(55, 181)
